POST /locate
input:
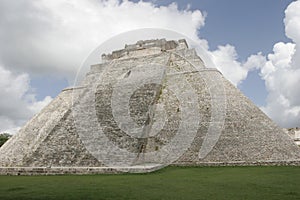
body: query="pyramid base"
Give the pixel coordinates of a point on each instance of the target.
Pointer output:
(78, 170)
(146, 168)
(244, 163)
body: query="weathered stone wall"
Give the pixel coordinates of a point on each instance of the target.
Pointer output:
(62, 147)
(149, 103)
(35, 131)
(249, 136)
(48, 140)
(76, 170)
(293, 133)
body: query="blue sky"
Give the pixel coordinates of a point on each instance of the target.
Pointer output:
(43, 43)
(250, 26)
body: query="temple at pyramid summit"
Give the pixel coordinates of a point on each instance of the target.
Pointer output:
(149, 105)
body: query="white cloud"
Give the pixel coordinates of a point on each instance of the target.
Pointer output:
(226, 60)
(55, 36)
(255, 62)
(17, 102)
(280, 70)
(282, 73)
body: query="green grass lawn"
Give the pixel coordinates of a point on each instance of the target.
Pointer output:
(168, 183)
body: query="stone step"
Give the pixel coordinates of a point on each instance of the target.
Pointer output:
(145, 168)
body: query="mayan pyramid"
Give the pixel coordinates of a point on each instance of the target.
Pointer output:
(153, 102)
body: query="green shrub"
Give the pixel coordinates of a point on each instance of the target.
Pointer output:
(3, 138)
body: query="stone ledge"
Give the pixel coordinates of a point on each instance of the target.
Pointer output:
(131, 169)
(243, 163)
(195, 71)
(78, 170)
(160, 44)
(73, 88)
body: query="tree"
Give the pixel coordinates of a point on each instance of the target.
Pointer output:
(3, 138)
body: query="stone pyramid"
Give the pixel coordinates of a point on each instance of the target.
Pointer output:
(152, 103)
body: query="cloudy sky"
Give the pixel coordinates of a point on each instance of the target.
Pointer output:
(255, 44)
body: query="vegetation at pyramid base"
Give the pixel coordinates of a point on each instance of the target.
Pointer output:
(4, 137)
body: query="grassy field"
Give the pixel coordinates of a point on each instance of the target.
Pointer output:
(169, 183)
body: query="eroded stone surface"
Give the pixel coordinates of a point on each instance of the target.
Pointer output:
(152, 102)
